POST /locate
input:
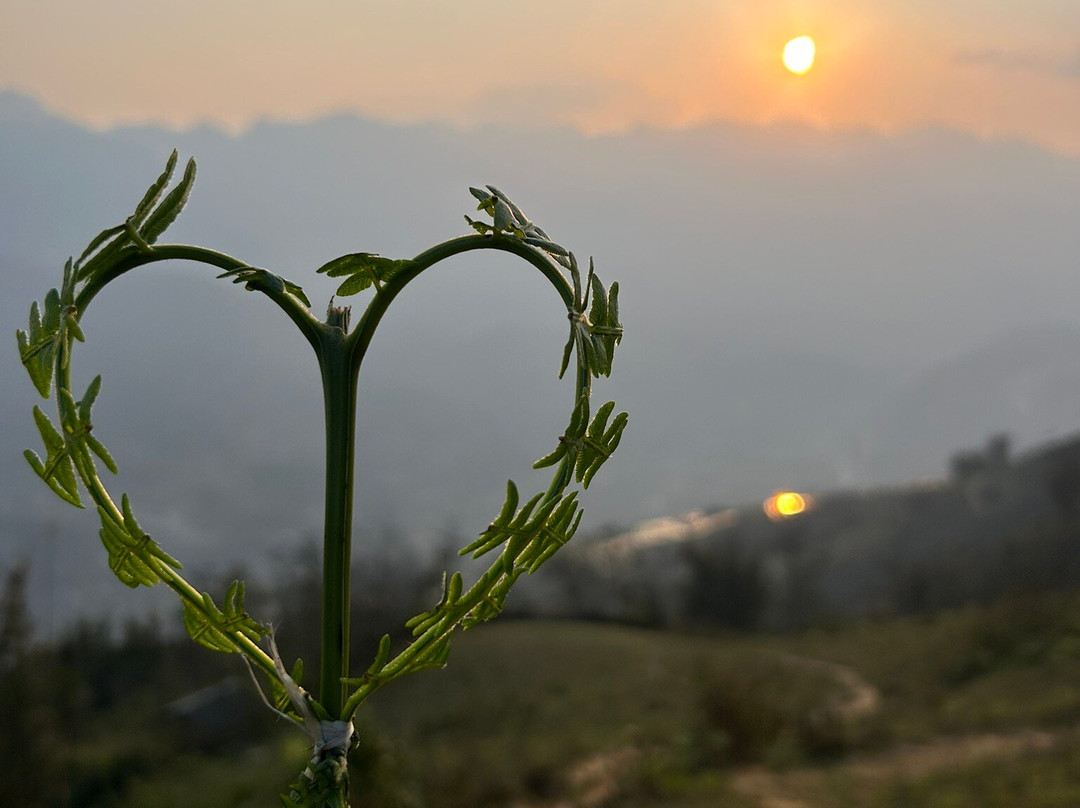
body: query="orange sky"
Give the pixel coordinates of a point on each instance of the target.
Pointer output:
(993, 67)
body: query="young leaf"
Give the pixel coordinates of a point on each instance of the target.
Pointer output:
(424, 621)
(75, 420)
(260, 280)
(598, 443)
(434, 657)
(296, 291)
(86, 404)
(505, 528)
(362, 271)
(39, 345)
(158, 221)
(522, 532)
(486, 540)
(95, 446)
(453, 590)
(604, 326)
(576, 323)
(599, 446)
(549, 247)
(565, 525)
(491, 606)
(480, 227)
(382, 656)
(221, 630)
(154, 192)
(134, 557)
(143, 227)
(130, 556)
(58, 470)
(100, 239)
(569, 441)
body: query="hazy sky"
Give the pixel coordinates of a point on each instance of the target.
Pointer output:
(999, 68)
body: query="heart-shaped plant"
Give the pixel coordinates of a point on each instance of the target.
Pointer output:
(528, 533)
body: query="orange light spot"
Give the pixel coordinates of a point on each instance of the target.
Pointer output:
(784, 504)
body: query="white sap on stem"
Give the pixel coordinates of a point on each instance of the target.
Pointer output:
(332, 737)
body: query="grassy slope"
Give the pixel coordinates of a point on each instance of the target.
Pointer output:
(523, 705)
(524, 702)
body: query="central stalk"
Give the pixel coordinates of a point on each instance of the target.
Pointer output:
(339, 394)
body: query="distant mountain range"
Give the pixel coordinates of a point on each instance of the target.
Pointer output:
(1027, 382)
(803, 309)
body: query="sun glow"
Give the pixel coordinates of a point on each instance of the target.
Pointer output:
(799, 54)
(783, 504)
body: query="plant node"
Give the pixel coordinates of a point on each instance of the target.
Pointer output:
(338, 316)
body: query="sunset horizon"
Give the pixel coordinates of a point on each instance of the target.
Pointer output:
(894, 68)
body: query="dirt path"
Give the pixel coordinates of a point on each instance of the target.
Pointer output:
(781, 789)
(594, 781)
(859, 698)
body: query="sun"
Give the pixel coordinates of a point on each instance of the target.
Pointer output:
(799, 54)
(784, 504)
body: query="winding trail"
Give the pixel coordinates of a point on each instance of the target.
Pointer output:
(859, 698)
(772, 789)
(594, 782)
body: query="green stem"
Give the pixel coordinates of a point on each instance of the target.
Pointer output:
(357, 344)
(340, 357)
(339, 395)
(365, 329)
(297, 312)
(170, 577)
(452, 617)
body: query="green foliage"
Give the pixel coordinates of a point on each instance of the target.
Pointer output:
(529, 535)
(532, 533)
(362, 271)
(58, 470)
(134, 557)
(49, 337)
(585, 446)
(143, 228)
(218, 629)
(72, 451)
(260, 280)
(77, 420)
(158, 220)
(70, 447)
(508, 219)
(604, 322)
(595, 336)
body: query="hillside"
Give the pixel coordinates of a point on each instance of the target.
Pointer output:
(969, 707)
(997, 523)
